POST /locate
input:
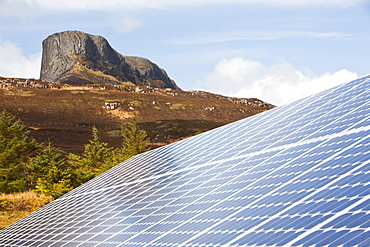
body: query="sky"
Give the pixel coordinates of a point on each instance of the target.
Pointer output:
(276, 50)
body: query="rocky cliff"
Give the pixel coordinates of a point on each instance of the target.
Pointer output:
(78, 58)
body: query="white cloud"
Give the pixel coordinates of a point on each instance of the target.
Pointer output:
(14, 64)
(279, 83)
(217, 37)
(138, 4)
(17, 8)
(125, 23)
(36, 8)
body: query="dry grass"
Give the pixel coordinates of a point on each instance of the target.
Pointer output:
(120, 114)
(88, 74)
(19, 93)
(127, 83)
(23, 195)
(178, 107)
(17, 205)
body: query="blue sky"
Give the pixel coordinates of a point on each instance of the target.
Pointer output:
(275, 50)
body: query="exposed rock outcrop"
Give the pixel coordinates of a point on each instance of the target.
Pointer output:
(9, 83)
(78, 58)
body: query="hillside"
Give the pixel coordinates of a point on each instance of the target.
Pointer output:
(65, 114)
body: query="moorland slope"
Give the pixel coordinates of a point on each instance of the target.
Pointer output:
(65, 114)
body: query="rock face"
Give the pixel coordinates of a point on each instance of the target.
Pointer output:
(78, 58)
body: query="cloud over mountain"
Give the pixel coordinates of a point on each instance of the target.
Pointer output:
(278, 83)
(12, 59)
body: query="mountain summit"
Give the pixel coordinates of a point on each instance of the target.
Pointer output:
(78, 58)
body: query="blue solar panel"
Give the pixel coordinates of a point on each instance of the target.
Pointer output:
(296, 175)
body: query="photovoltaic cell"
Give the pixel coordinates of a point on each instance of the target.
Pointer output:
(296, 175)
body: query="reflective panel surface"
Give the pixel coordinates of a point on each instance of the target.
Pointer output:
(296, 175)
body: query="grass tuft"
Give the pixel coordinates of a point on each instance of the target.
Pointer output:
(15, 206)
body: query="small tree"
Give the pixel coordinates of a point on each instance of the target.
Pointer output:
(50, 172)
(97, 152)
(56, 189)
(15, 149)
(96, 159)
(135, 140)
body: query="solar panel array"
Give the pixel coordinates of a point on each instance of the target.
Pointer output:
(296, 175)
